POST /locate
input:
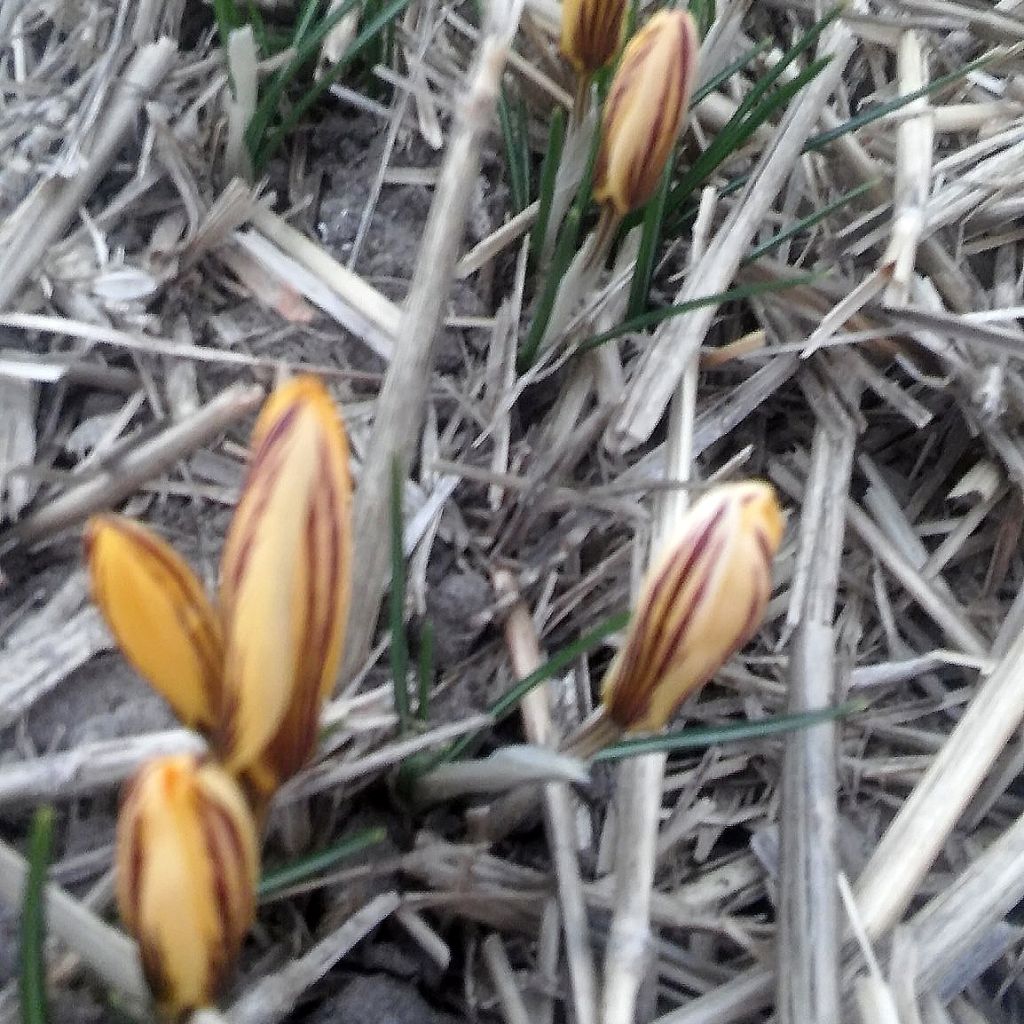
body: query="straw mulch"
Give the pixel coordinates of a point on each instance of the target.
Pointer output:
(866, 870)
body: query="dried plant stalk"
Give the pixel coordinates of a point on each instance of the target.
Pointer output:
(401, 404)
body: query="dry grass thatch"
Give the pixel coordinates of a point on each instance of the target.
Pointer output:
(866, 869)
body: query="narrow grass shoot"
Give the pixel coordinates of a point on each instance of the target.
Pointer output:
(701, 738)
(559, 661)
(548, 174)
(655, 317)
(760, 104)
(643, 271)
(866, 117)
(32, 979)
(426, 668)
(263, 136)
(808, 222)
(305, 868)
(565, 250)
(513, 119)
(228, 18)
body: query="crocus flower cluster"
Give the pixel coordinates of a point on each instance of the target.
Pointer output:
(250, 671)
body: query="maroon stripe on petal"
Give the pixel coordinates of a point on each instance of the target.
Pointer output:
(636, 678)
(679, 632)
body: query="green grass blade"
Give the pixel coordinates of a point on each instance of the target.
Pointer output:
(753, 111)
(270, 102)
(654, 216)
(805, 223)
(228, 18)
(396, 604)
(565, 249)
(703, 12)
(728, 71)
(881, 109)
(645, 320)
(264, 43)
(516, 155)
(426, 670)
(699, 739)
(305, 868)
(367, 37)
(734, 135)
(548, 174)
(32, 991)
(560, 660)
(304, 24)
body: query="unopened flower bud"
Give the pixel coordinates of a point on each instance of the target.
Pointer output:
(702, 601)
(187, 862)
(159, 614)
(591, 33)
(285, 582)
(644, 110)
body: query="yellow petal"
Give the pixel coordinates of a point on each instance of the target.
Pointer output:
(159, 614)
(187, 868)
(647, 102)
(285, 582)
(591, 32)
(702, 600)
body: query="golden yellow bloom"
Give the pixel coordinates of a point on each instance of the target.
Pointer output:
(285, 582)
(187, 865)
(591, 33)
(702, 601)
(159, 614)
(644, 111)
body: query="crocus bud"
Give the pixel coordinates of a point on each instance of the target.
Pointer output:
(187, 863)
(159, 614)
(702, 600)
(284, 589)
(644, 111)
(591, 33)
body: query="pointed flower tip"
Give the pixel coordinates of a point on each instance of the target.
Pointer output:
(187, 865)
(285, 584)
(645, 109)
(591, 33)
(159, 615)
(702, 600)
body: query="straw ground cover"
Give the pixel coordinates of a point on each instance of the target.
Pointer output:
(825, 292)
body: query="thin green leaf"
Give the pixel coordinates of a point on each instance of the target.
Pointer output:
(645, 320)
(264, 43)
(805, 223)
(269, 105)
(515, 158)
(426, 670)
(32, 990)
(565, 249)
(304, 23)
(728, 71)
(396, 603)
(560, 660)
(740, 127)
(371, 30)
(228, 18)
(548, 174)
(305, 868)
(699, 739)
(753, 111)
(643, 269)
(703, 12)
(881, 109)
